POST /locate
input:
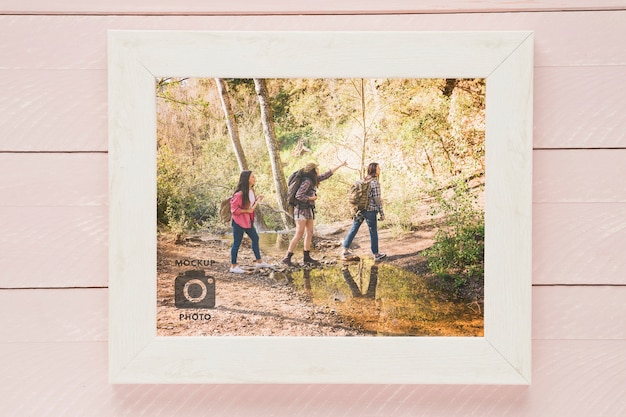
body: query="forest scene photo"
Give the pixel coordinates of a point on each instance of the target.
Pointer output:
(428, 137)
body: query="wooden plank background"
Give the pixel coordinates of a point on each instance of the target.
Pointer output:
(53, 209)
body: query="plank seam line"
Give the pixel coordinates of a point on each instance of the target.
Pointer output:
(51, 341)
(579, 285)
(53, 288)
(318, 13)
(608, 148)
(574, 202)
(54, 152)
(53, 206)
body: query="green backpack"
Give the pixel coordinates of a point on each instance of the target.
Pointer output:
(225, 214)
(358, 195)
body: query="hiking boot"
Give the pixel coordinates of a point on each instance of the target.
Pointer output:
(379, 256)
(287, 259)
(309, 260)
(347, 255)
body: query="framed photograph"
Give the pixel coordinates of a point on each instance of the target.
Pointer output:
(142, 349)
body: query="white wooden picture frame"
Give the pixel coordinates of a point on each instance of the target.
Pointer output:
(137, 355)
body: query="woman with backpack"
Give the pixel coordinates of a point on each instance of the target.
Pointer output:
(304, 209)
(373, 209)
(242, 206)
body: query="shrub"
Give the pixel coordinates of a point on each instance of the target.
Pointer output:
(458, 251)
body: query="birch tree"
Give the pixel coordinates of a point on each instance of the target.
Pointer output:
(273, 150)
(233, 131)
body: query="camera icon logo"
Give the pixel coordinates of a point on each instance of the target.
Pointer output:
(194, 289)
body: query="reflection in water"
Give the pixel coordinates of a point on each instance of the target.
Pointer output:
(383, 300)
(356, 291)
(380, 299)
(306, 274)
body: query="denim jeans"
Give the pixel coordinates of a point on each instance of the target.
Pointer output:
(371, 220)
(238, 232)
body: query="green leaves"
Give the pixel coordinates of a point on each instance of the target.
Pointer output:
(458, 252)
(415, 131)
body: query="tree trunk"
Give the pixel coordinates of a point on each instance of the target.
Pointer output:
(231, 124)
(233, 131)
(272, 147)
(449, 87)
(363, 121)
(430, 162)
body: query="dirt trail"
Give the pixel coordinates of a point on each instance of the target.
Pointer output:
(263, 303)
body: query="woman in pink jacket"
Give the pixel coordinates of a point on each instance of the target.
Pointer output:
(242, 206)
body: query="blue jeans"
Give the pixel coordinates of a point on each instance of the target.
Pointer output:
(238, 232)
(371, 220)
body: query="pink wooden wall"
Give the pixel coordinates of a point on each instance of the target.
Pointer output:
(53, 209)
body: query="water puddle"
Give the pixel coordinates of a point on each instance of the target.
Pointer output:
(383, 300)
(379, 298)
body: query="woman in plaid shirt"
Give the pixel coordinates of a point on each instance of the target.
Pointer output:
(374, 208)
(304, 210)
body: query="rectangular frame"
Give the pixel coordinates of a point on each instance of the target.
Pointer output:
(137, 355)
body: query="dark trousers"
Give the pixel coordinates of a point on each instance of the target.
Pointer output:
(238, 232)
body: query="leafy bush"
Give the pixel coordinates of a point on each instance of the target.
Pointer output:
(458, 251)
(187, 195)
